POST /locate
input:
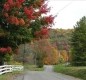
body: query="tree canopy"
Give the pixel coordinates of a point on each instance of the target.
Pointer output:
(22, 21)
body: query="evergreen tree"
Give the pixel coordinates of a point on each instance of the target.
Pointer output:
(79, 43)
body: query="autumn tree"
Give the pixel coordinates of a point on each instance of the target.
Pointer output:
(61, 38)
(78, 43)
(45, 51)
(21, 21)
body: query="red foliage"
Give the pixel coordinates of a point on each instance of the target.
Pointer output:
(29, 12)
(44, 9)
(49, 19)
(42, 34)
(10, 2)
(18, 4)
(5, 50)
(44, 31)
(9, 49)
(21, 1)
(6, 7)
(13, 15)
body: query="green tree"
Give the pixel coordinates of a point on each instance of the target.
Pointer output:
(21, 21)
(78, 43)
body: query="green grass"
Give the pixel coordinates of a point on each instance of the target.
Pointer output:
(7, 76)
(79, 72)
(10, 76)
(33, 68)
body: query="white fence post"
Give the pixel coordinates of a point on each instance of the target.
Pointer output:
(10, 68)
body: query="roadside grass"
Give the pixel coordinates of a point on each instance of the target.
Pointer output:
(7, 76)
(79, 72)
(10, 76)
(32, 67)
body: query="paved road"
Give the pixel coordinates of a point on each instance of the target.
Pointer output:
(47, 74)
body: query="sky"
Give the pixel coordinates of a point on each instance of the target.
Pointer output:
(68, 12)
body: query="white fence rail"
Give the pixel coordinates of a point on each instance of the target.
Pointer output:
(10, 68)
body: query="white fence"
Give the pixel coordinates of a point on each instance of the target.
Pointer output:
(10, 68)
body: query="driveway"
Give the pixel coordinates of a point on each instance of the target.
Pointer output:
(47, 74)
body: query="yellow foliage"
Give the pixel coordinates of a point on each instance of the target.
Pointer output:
(51, 58)
(64, 54)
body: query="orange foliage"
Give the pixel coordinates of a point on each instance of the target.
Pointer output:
(21, 22)
(13, 20)
(51, 57)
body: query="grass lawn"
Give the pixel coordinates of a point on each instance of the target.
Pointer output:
(79, 72)
(10, 76)
(32, 68)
